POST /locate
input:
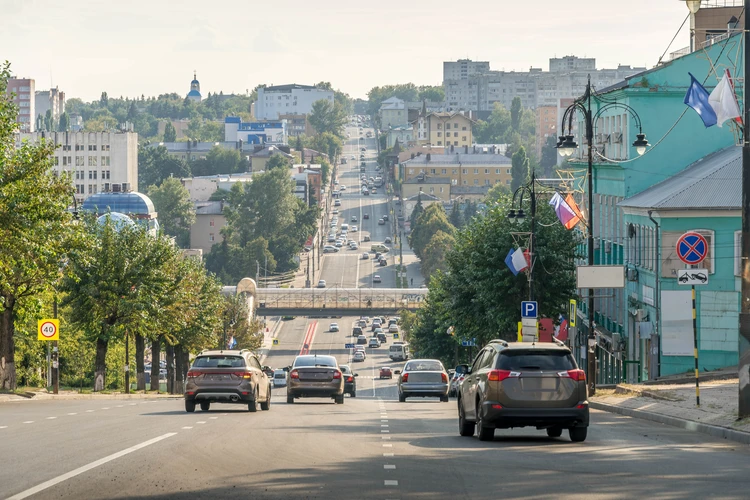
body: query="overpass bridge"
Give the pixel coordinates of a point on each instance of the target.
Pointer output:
(336, 301)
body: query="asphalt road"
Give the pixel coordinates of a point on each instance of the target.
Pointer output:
(371, 447)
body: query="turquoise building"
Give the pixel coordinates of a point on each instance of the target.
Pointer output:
(633, 227)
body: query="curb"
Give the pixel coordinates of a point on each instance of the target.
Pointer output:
(688, 425)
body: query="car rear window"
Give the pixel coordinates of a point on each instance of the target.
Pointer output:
(303, 361)
(219, 361)
(279, 375)
(345, 369)
(423, 366)
(538, 360)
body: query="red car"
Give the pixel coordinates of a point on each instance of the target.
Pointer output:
(385, 372)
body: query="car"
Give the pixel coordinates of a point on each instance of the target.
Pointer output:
(388, 240)
(354, 229)
(336, 193)
(227, 376)
(358, 356)
(321, 283)
(423, 378)
(354, 218)
(377, 331)
(279, 378)
(361, 339)
(339, 244)
(393, 328)
(382, 337)
(379, 248)
(336, 181)
(385, 217)
(519, 384)
(342, 187)
(383, 262)
(333, 327)
(377, 279)
(393, 320)
(350, 380)
(376, 322)
(315, 376)
(337, 203)
(374, 190)
(353, 246)
(365, 256)
(357, 331)
(366, 192)
(374, 342)
(366, 237)
(381, 221)
(330, 249)
(331, 238)
(385, 372)
(363, 149)
(454, 383)
(352, 157)
(365, 216)
(335, 211)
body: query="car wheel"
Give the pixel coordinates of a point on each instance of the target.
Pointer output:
(252, 406)
(289, 399)
(443, 399)
(465, 428)
(266, 405)
(339, 399)
(205, 405)
(554, 432)
(483, 433)
(189, 406)
(354, 394)
(401, 398)
(578, 434)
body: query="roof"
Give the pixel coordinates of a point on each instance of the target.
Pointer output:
(459, 190)
(448, 115)
(460, 159)
(126, 203)
(288, 87)
(713, 182)
(270, 150)
(424, 197)
(428, 180)
(194, 93)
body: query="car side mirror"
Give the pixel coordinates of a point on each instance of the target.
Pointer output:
(463, 369)
(397, 372)
(356, 374)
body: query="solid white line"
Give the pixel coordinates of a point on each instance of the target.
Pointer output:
(51, 418)
(29, 422)
(389, 467)
(390, 482)
(88, 467)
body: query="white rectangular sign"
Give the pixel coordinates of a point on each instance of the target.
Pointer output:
(692, 276)
(677, 323)
(600, 277)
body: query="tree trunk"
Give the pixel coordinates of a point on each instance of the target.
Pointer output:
(155, 363)
(179, 386)
(7, 346)
(140, 368)
(100, 365)
(170, 369)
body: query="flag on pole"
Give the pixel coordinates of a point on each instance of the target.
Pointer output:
(516, 261)
(723, 101)
(564, 211)
(574, 206)
(697, 98)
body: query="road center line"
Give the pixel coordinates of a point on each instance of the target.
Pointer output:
(88, 467)
(71, 414)
(3, 426)
(51, 418)
(389, 467)
(90, 411)
(388, 454)
(187, 427)
(390, 482)
(29, 422)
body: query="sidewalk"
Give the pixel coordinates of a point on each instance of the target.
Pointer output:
(674, 404)
(74, 395)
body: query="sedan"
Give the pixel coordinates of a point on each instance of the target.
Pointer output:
(315, 376)
(365, 256)
(385, 372)
(381, 222)
(366, 216)
(374, 342)
(423, 378)
(350, 382)
(377, 279)
(333, 327)
(388, 240)
(358, 356)
(322, 284)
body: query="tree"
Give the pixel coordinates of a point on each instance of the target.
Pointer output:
(549, 156)
(48, 125)
(435, 253)
(278, 160)
(493, 130)
(170, 134)
(434, 93)
(519, 169)
(417, 212)
(326, 116)
(155, 165)
(36, 230)
(327, 143)
(407, 92)
(176, 211)
(496, 193)
(428, 224)
(64, 125)
(299, 146)
(470, 210)
(132, 111)
(515, 113)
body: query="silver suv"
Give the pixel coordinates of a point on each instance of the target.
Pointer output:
(227, 376)
(523, 384)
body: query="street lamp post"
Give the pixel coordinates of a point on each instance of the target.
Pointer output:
(566, 146)
(518, 216)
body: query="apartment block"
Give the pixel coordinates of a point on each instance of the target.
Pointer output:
(52, 100)
(469, 167)
(25, 99)
(288, 99)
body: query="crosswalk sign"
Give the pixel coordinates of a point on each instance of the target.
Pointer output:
(396, 336)
(275, 341)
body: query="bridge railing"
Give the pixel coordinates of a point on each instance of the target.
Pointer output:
(340, 298)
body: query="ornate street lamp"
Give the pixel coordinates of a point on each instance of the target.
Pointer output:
(517, 215)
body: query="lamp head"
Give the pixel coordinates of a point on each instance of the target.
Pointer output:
(640, 144)
(520, 216)
(568, 146)
(512, 215)
(693, 5)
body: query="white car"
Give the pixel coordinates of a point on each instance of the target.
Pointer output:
(358, 356)
(354, 229)
(279, 378)
(333, 327)
(342, 187)
(365, 256)
(393, 328)
(374, 342)
(322, 284)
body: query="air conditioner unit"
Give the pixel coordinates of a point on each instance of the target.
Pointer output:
(640, 315)
(632, 274)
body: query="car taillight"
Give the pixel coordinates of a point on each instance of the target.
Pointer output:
(294, 374)
(577, 375)
(349, 379)
(242, 374)
(445, 377)
(336, 374)
(194, 373)
(405, 377)
(500, 375)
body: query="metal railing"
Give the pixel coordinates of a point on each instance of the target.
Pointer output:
(340, 298)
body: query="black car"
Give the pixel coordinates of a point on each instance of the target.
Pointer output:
(350, 380)
(383, 262)
(385, 217)
(357, 331)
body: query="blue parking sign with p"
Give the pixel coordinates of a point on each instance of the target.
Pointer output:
(529, 309)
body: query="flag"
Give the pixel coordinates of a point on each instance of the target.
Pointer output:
(564, 212)
(232, 343)
(573, 205)
(561, 332)
(723, 101)
(516, 261)
(697, 98)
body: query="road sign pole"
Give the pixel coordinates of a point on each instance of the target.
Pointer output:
(55, 357)
(695, 351)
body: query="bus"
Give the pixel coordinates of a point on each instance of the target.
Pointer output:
(399, 351)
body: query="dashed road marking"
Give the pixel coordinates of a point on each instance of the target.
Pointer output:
(119, 406)
(384, 425)
(213, 418)
(385, 437)
(387, 446)
(71, 414)
(105, 408)
(132, 404)
(51, 418)
(390, 482)
(389, 467)
(388, 454)
(29, 422)
(3, 426)
(201, 422)
(187, 427)
(384, 431)
(90, 411)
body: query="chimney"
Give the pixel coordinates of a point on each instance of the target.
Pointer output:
(412, 156)
(428, 156)
(494, 150)
(466, 149)
(301, 168)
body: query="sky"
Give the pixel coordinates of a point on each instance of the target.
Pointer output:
(136, 47)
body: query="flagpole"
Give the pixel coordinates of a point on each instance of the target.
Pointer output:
(744, 322)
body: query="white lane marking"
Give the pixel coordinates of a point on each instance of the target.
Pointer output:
(387, 446)
(90, 411)
(71, 414)
(384, 420)
(3, 426)
(106, 408)
(201, 422)
(132, 404)
(213, 418)
(29, 422)
(384, 431)
(388, 454)
(385, 437)
(188, 427)
(223, 414)
(88, 467)
(51, 418)
(384, 425)
(389, 467)
(119, 406)
(390, 482)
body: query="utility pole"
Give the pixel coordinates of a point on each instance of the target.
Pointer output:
(591, 347)
(127, 362)
(257, 274)
(55, 356)
(744, 337)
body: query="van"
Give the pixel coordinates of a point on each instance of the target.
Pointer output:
(379, 248)
(399, 352)
(344, 227)
(279, 378)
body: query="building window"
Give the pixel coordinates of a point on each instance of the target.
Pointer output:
(497, 171)
(439, 126)
(463, 138)
(439, 134)
(441, 190)
(476, 170)
(211, 223)
(432, 171)
(463, 128)
(486, 182)
(440, 143)
(465, 171)
(92, 147)
(476, 182)
(210, 236)
(737, 252)
(432, 190)
(105, 161)
(91, 189)
(455, 143)
(486, 170)
(507, 171)
(465, 183)
(92, 161)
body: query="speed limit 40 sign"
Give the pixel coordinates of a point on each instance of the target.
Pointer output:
(48, 329)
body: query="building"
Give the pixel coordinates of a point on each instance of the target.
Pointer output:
(408, 205)
(200, 188)
(24, 97)
(52, 100)
(715, 22)
(180, 127)
(96, 161)
(466, 168)
(260, 157)
(393, 113)
(438, 187)
(546, 126)
(309, 156)
(308, 181)
(443, 129)
(403, 134)
(262, 132)
(285, 99)
(297, 125)
(122, 200)
(206, 230)
(459, 93)
(195, 90)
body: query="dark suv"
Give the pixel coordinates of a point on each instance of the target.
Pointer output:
(227, 376)
(523, 384)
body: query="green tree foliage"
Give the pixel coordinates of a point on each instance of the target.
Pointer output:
(435, 253)
(326, 116)
(515, 113)
(496, 193)
(376, 95)
(470, 210)
(429, 223)
(176, 211)
(417, 212)
(170, 134)
(64, 124)
(434, 93)
(247, 333)
(519, 169)
(155, 165)
(327, 143)
(36, 230)
(219, 161)
(343, 99)
(549, 156)
(456, 217)
(278, 161)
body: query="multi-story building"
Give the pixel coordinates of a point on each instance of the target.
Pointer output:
(393, 113)
(94, 160)
(297, 124)
(263, 132)
(439, 187)
(52, 100)
(443, 129)
(25, 99)
(205, 232)
(459, 93)
(308, 180)
(464, 168)
(546, 126)
(285, 99)
(403, 134)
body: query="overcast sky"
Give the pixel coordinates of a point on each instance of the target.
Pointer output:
(151, 47)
